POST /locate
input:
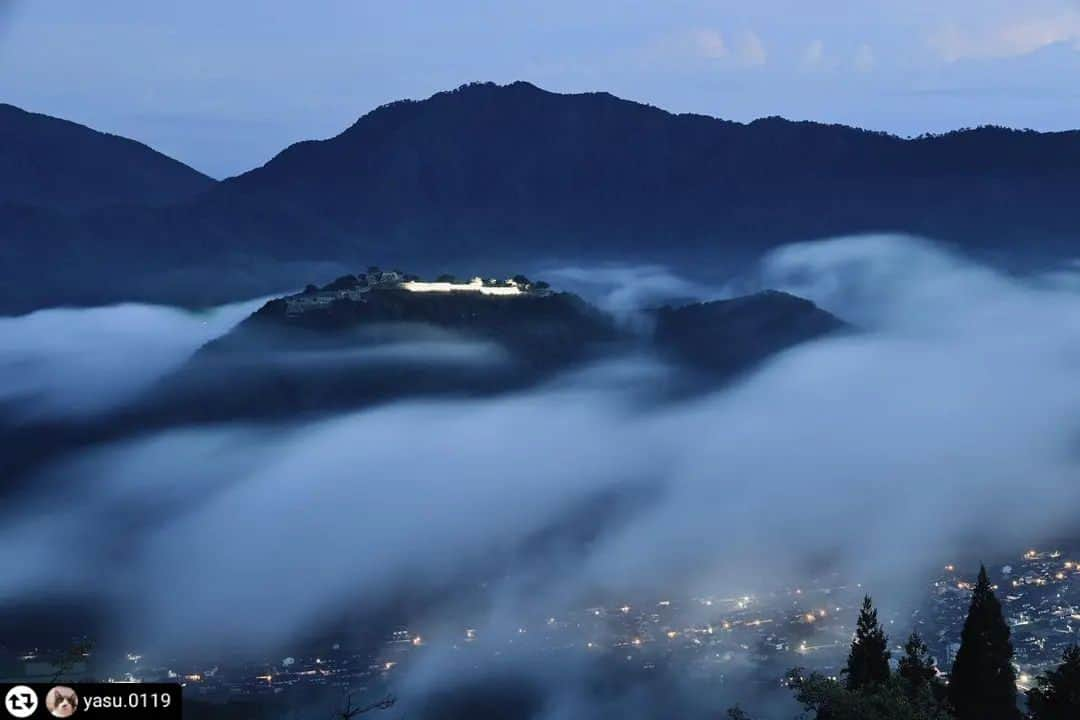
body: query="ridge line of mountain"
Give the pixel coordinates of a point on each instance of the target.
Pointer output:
(493, 177)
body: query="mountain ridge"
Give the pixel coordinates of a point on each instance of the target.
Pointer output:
(495, 176)
(65, 166)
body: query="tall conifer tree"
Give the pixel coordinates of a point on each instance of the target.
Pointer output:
(982, 684)
(868, 662)
(918, 668)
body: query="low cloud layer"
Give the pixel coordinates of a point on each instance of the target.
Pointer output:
(76, 362)
(626, 288)
(948, 425)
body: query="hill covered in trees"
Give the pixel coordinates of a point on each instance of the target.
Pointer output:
(494, 177)
(353, 341)
(53, 164)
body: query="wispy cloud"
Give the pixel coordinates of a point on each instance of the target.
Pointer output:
(623, 289)
(69, 362)
(1009, 38)
(709, 43)
(814, 55)
(864, 58)
(752, 49)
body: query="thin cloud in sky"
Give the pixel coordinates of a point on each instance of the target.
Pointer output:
(752, 49)
(1007, 38)
(685, 47)
(864, 58)
(709, 43)
(814, 55)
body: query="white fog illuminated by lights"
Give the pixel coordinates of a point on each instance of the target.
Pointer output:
(950, 419)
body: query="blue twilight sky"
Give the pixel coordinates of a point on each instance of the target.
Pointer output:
(224, 84)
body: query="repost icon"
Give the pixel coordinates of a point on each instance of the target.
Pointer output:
(21, 701)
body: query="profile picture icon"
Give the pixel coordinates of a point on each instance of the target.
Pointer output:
(62, 702)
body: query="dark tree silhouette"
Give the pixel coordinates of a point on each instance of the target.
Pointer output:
(868, 662)
(824, 698)
(918, 668)
(982, 684)
(1057, 692)
(348, 711)
(737, 713)
(71, 657)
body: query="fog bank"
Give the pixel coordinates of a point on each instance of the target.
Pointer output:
(948, 424)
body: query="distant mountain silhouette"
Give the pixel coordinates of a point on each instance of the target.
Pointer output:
(728, 336)
(495, 177)
(51, 163)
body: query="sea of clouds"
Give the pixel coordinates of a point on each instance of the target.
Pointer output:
(949, 421)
